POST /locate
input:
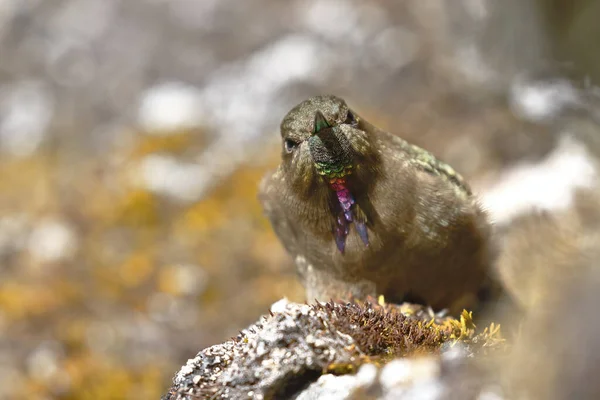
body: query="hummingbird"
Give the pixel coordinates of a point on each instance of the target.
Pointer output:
(363, 213)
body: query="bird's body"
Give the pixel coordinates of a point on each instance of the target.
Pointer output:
(425, 237)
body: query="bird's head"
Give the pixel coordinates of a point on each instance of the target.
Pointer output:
(322, 140)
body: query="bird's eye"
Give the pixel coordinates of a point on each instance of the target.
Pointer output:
(351, 119)
(290, 145)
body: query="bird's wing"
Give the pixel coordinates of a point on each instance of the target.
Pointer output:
(427, 162)
(270, 197)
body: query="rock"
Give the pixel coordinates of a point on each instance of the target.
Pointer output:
(317, 347)
(431, 377)
(332, 387)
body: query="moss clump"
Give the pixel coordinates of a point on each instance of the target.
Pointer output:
(383, 331)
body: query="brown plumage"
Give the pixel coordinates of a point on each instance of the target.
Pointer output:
(428, 237)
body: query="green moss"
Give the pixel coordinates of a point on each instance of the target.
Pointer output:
(383, 332)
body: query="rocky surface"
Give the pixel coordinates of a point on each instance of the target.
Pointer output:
(449, 376)
(312, 351)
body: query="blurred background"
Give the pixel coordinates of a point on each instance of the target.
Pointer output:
(134, 133)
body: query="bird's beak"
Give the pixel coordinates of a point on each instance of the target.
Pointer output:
(322, 141)
(320, 123)
(329, 155)
(323, 136)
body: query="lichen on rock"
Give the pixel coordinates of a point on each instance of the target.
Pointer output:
(291, 347)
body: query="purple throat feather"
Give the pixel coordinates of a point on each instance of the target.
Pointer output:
(329, 149)
(346, 215)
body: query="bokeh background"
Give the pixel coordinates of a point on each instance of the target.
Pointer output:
(133, 135)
